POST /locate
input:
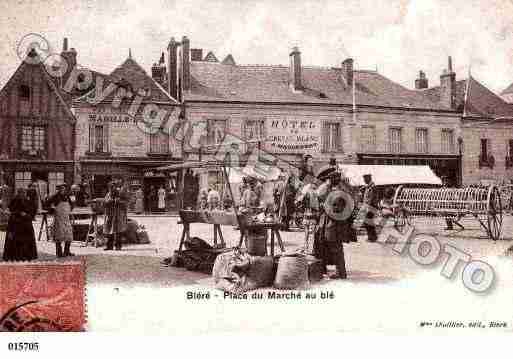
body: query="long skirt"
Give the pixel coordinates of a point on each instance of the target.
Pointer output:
(20, 241)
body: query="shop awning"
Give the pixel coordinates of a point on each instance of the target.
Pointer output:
(390, 174)
(235, 174)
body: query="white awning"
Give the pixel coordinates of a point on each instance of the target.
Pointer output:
(390, 175)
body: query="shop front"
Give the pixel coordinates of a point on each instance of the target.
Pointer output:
(159, 190)
(46, 175)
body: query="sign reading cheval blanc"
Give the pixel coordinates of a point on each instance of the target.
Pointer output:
(293, 135)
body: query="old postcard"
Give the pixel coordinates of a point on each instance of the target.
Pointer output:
(290, 167)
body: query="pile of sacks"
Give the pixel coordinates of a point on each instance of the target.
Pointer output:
(237, 271)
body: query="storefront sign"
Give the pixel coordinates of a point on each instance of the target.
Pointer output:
(112, 118)
(293, 135)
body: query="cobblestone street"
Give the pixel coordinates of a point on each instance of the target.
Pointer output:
(367, 262)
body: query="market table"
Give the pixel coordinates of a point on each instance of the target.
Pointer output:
(78, 213)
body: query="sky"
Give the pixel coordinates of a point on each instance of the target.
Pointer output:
(398, 37)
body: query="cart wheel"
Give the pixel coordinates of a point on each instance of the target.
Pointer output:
(402, 220)
(495, 216)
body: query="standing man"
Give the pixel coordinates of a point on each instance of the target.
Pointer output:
(333, 228)
(116, 205)
(370, 200)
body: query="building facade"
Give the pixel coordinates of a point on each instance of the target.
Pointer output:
(37, 137)
(125, 133)
(355, 116)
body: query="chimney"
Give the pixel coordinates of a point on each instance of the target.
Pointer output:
(172, 69)
(347, 71)
(158, 73)
(196, 54)
(448, 86)
(295, 69)
(70, 57)
(422, 81)
(186, 75)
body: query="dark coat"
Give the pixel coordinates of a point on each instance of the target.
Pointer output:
(332, 233)
(20, 242)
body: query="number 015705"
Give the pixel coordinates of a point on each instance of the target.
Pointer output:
(23, 346)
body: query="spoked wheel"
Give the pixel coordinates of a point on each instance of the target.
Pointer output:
(494, 215)
(403, 219)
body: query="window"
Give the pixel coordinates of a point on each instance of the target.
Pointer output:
(54, 179)
(509, 154)
(395, 140)
(254, 130)
(486, 158)
(24, 92)
(484, 149)
(216, 131)
(448, 144)
(33, 138)
(159, 143)
(98, 138)
(332, 137)
(421, 140)
(22, 179)
(368, 139)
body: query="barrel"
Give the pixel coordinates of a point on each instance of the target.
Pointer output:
(256, 241)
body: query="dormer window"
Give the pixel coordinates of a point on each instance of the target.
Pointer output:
(24, 92)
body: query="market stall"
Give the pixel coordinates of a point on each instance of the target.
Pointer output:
(219, 207)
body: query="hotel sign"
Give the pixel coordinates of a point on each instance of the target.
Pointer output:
(293, 135)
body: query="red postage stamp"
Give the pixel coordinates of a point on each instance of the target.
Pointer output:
(37, 297)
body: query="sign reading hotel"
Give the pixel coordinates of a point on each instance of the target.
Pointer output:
(293, 135)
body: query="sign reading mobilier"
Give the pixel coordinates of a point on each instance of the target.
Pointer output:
(293, 135)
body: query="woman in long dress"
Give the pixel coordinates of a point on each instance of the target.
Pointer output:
(20, 242)
(62, 229)
(161, 199)
(139, 201)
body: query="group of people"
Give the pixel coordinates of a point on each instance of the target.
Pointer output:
(20, 241)
(332, 205)
(154, 200)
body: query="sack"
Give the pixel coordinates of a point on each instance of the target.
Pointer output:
(237, 272)
(142, 237)
(131, 231)
(196, 243)
(292, 272)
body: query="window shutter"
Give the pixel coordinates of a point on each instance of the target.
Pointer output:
(106, 138)
(339, 137)
(325, 138)
(91, 137)
(210, 132)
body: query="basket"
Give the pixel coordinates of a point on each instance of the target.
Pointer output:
(292, 272)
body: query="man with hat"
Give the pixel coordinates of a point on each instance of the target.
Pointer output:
(370, 200)
(115, 225)
(334, 224)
